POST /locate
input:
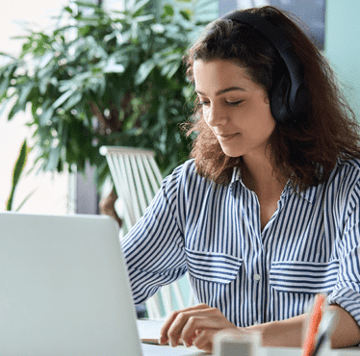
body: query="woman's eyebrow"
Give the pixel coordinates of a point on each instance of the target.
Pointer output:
(223, 90)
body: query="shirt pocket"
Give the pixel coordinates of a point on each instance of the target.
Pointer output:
(213, 266)
(304, 277)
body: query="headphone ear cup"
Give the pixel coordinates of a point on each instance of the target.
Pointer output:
(302, 100)
(279, 96)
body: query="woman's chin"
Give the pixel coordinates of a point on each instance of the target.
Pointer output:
(231, 153)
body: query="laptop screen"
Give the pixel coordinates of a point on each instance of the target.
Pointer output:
(64, 287)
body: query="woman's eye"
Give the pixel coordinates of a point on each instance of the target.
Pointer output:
(234, 103)
(229, 103)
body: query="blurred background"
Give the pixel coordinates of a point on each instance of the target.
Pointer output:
(57, 182)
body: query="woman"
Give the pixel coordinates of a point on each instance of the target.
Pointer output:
(266, 214)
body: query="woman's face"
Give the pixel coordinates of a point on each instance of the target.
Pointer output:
(235, 108)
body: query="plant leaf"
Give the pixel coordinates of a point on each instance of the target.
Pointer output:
(144, 71)
(53, 160)
(86, 4)
(168, 10)
(73, 100)
(18, 169)
(46, 115)
(24, 95)
(138, 6)
(63, 98)
(25, 200)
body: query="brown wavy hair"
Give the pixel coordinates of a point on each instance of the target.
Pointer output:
(305, 150)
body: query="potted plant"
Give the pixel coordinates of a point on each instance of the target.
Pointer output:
(105, 78)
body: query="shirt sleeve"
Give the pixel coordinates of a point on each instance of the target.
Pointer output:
(347, 290)
(154, 247)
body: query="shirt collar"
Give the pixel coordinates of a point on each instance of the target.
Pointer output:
(309, 194)
(236, 175)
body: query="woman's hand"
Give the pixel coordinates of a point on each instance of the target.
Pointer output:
(194, 326)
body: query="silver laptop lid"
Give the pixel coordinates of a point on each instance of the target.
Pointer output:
(64, 289)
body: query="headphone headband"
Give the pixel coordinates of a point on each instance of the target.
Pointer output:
(273, 34)
(298, 97)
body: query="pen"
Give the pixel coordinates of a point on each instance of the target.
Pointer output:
(319, 344)
(314, 322)
(326, 328)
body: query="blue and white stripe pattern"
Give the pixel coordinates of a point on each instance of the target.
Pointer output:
(311, 244)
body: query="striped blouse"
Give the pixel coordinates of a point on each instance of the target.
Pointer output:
(311, 244)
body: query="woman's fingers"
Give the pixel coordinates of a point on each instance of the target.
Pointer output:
(176, 328)
(208, 323)
(189, 323)
(163, 339)
(210, 318)
(204, 340)
(171, 330)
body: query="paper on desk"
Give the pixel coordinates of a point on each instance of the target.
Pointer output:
(156, 350)
(149, 330)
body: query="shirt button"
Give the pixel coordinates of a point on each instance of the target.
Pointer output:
(257, 277)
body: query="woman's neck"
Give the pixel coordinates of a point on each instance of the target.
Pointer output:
(259, 175)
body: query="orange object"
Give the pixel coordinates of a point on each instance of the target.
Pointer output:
(315, 318)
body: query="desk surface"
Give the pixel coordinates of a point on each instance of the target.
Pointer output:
(151, 329)
(156, 350)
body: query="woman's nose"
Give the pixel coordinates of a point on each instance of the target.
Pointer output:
(216, 116)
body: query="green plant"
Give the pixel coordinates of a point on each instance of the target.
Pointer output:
(17, 173)
(105, 79)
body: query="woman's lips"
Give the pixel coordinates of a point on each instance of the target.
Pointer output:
(225, 137)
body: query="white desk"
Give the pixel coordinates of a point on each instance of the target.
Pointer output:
(150, 329)
(156, 350)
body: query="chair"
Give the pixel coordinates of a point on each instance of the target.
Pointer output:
(137, 178)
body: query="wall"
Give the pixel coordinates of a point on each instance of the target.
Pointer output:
(342, 48)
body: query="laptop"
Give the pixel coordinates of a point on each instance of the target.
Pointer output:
(64, 288)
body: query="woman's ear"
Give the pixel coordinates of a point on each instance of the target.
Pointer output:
(266, 98)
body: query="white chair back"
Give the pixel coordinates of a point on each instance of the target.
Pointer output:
(137, 179)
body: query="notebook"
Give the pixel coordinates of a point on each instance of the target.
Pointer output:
(64, 288)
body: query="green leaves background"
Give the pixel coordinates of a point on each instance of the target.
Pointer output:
(107, 78)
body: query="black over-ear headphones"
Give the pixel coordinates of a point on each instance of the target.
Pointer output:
(289, 97)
